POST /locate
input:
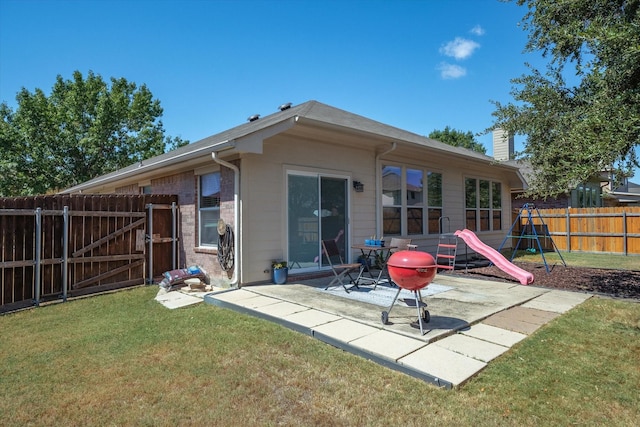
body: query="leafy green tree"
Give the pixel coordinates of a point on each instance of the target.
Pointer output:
(83, 129)
(458, 139)
(10, 173)
(582, 116)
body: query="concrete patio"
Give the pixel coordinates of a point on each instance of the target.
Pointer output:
(472, 322)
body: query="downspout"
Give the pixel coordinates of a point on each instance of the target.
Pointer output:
(236, 210)
(378, 176)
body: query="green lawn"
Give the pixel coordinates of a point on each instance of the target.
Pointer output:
(124, 359)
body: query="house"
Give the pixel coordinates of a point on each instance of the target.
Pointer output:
(626, 194)
(598, 192)
(309, 172)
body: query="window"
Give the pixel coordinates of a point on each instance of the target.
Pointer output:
(406, 209)
(496, 205)
(586, 196)
(483, 204)
(209, 208)
(434, 197)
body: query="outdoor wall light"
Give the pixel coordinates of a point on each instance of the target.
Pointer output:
(358, 186)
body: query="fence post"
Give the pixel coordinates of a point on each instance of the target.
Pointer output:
(174, 238)
(624, 232)
(150, 240)
(568, 221)
(36, 275)
(65, 252)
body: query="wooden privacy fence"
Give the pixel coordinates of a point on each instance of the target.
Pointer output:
(53, 247)
(610, 230)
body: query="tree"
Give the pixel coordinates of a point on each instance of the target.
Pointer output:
(575, 131)
(458, 139)
(83, 129)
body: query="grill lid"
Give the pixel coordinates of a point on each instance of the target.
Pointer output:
(411, 259)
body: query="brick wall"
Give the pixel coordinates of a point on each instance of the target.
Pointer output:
(227, 206)
(185, 186)
(550, 203)
(182, 184)
(128, 189)
(227, 211)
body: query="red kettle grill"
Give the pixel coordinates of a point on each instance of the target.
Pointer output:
(411, 270)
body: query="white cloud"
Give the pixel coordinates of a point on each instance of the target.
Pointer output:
(459, 48)
(451, 71)
(477, 30)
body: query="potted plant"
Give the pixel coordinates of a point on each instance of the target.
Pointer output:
(279, 272)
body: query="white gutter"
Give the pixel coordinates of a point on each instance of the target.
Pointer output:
(378, 176)
(236, 209)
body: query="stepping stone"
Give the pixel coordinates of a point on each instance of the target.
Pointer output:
(520, 319)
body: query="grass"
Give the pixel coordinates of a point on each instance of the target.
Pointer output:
(123, 359)
(582, 259)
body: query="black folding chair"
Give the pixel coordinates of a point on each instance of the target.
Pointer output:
(340, 270)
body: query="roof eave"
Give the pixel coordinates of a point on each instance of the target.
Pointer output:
(151, 165)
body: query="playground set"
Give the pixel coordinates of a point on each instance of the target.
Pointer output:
(533, 229)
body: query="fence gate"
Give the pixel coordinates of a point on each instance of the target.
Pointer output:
(53, 247)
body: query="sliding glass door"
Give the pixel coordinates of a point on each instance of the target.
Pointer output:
(317, 210)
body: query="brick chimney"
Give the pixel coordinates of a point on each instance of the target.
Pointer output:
(502, 145)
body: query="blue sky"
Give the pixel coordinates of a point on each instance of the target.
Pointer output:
(416, 65)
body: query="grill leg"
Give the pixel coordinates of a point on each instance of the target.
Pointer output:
(419, 304)
(418, 297)
(385, 314)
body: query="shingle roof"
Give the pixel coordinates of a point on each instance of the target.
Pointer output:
(331, 115)
(311, 110)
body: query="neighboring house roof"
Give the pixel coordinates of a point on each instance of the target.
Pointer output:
(526, 171)
(248, 137)
(630, 196)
